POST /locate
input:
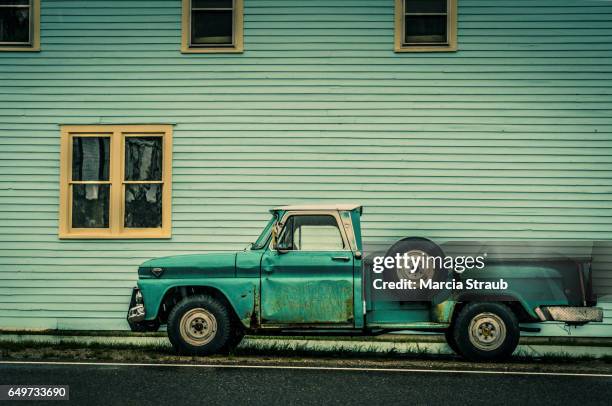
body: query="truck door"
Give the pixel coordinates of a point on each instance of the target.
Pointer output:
(311, 282)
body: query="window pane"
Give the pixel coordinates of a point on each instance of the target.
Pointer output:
(316, 233)
(212, 3)
(286, 235)
(14, 2)
(425, 6)
(143, 158)
(90, 204)
(424, 29)
(90, 158)
(15, 24)
(212, 27)
(143, 206)
(313, 238)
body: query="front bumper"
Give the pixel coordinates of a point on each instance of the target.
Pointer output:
(569, 314)
(136, 314)
(136, 310)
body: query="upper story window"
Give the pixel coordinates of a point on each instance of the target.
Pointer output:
(425, 25)
(19, 25)
(115, 181)
(212, 26)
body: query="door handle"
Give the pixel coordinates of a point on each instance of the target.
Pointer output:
(345, 259)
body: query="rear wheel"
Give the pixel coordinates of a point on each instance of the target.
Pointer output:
(199, 325)
(450, 340)
(486, 331)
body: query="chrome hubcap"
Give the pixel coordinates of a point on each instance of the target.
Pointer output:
(198, 327)
(487, 331)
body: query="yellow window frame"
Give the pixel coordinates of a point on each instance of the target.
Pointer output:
(238, 28)
(451, 30)
(117, 182)
(34, 32)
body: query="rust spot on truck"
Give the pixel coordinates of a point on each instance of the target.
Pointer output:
(327, 301)
(254, 321)
(442, 312)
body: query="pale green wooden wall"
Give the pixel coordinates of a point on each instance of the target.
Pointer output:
(511, 137)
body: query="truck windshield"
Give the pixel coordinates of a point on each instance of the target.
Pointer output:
(263, 238)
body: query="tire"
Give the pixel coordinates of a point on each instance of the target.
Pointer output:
(486, 332)
(199, 325)
(450, 340)
(416, 247)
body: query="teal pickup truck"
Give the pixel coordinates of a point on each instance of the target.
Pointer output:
(306, 274)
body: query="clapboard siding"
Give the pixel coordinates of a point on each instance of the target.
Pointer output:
(510, 138)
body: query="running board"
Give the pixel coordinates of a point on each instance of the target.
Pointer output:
(326, 332)
(530, 329)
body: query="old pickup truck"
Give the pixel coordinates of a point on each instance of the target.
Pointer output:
(307, 274)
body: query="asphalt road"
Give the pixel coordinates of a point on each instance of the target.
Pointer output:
(175, 385)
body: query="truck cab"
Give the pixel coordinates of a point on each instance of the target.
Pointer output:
(307, 274)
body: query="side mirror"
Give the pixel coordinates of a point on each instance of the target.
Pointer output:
(282, 248)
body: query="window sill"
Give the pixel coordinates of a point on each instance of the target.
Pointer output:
(105, 235)
(212, 50)
(19, 49)
(426, 49)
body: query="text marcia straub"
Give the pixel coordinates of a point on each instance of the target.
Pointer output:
(468, 284)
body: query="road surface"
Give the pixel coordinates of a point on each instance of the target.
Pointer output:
(121, 384)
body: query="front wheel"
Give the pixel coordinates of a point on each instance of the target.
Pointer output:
(199, 325)
(486, 331)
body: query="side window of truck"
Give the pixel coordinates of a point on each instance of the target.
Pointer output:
(312, 233)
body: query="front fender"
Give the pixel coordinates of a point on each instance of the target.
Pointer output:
(241, 294)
